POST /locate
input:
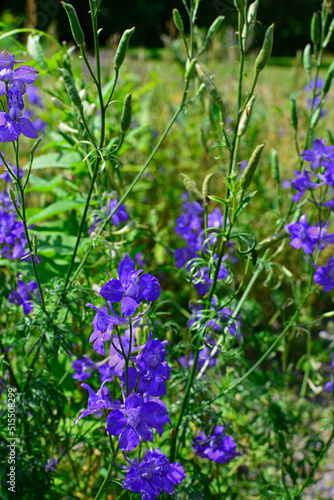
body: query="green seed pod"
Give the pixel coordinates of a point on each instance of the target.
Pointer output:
(275, 166)
(206, 191)
(214, 27)
(191, 187)
(239, 4)
(293, 111)
(35, 242)
(329, 34)
(249, 172)
(122, 48)
(126, 113)
(178, 21)
(251, 19)
(35, 146)
(307, 59)
(246, 116)
(76, 29)
(91, 111)
(265, 53)
(209, 85)
(13, 200)
(272, 240)
(328, 79)
(57, 103)
(71, 88)
(315, 116)
(315, 29)
(190, 71)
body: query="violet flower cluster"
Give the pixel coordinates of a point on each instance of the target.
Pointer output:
(190, 227)
(315, 237)
(13, 85)
(119, 216)
(217, 447)
(142, 372)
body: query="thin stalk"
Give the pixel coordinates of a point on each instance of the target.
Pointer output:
(135, 181)
(83, 220)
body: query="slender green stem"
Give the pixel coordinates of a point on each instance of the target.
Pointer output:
(134, 182)
(83, 220)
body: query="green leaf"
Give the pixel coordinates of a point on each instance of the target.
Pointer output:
(56, 208)
(43, 185)
(219, 200)
(55, 160)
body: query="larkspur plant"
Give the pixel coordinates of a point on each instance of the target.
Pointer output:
(147, 356)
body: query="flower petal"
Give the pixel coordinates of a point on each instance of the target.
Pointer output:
(27, 128)
(128, 306)
(115, 422)
(149, 288)
(129, 439)
(112, 291)
(126, 266)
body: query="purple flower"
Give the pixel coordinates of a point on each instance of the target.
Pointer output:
(15, 79)
(217, 447)
(97, 402)
(116, 360)
(106, 372)
(302, 183)
(129, 288)
(103, 324)
(83, 368)
(319, 155)
(308, 237)
(24, 295)
(51, 464)
(329, 175)
(153, 474)
(12, 124)
(153, 369)
(138, 418)
(324, 276)
(216, 320)
(34, 97)
(119, 216)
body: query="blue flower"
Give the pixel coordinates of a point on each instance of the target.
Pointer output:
(15, 79)
(302, 183)
(24, 295)
(131, 288)
(97, 402)
(138, 418)
(319, 155)
(83, 368)
(217, 447)
(153, 474)
(308, 237)
(324, 276)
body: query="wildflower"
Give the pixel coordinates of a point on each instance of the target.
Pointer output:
(217, 320)
(97, 402)
(319, 155)
(324, 276)
(119, 216)
(153, 369)
(106, 372)
(138, 418)
(12, 124)
(129, 288)
(308, 237)
(217, 447)
(51, 464)
(14, 79)
(24, 295)
(302, 183)
(329, 175)
(153, 474)
(83, 368)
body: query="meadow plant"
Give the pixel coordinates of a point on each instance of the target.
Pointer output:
(193, 388)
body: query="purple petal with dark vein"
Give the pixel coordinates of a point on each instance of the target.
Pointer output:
(27, 128)
(126, 266)
(128, 306)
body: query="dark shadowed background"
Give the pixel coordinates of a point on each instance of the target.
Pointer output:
(152, 18)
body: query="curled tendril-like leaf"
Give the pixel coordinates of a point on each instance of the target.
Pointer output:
(247, 238)
(196, 271)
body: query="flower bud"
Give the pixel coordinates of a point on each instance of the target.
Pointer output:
(206, 188)
(246, 116)
(214, 27)
(122, 48)
(190, 70)
(83, 94)
(71, 88)
(190, 186)
(126, 113)
(66, 129)
(249, 171)
(76, 29)
(57, 103)
(293, 111)
(275, 166)
(209, 85)
(315, 29)
(265, 53)
(307, 59)
(91, 111)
